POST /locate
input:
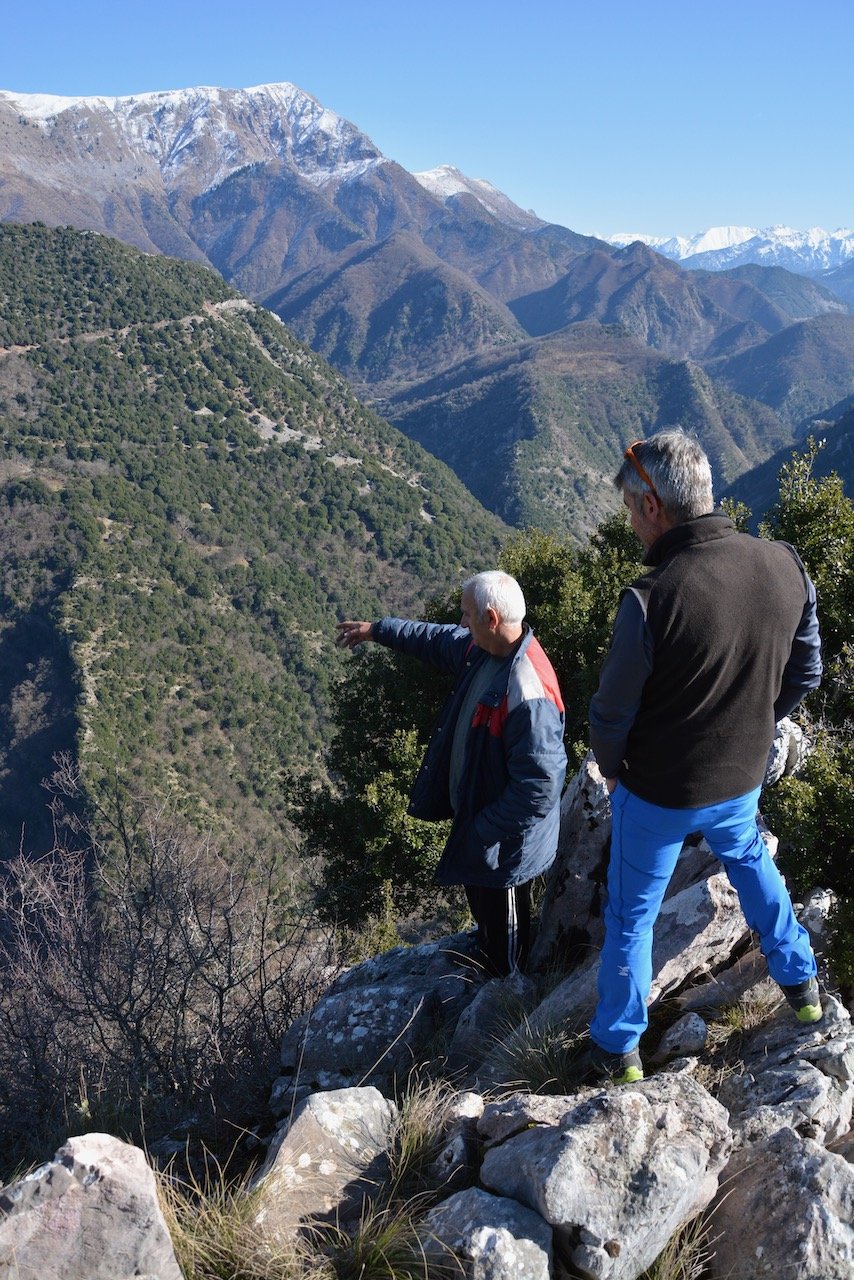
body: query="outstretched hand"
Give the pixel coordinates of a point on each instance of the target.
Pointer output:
(352, 633)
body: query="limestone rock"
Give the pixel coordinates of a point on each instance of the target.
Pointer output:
(455, 1164)
(787, 752)
(571, 917)
(518, 1113)
(794, 1076)
(748, 975)
(814, 917)
(844, 1146)
(696, 929)
(685, 1038)
(326, 1161)
(493, 1012)
(493, 1237)
(618, 1173)
(375, 1022)
(91, 1211)
(786, 1208)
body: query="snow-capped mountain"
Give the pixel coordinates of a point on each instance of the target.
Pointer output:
(446, 181)
(805, 252)
(402, 280)
(208, 133)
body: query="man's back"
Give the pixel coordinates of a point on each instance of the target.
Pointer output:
(722, 609)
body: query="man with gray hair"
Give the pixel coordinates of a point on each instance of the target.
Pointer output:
(713, 645)
(496, 762)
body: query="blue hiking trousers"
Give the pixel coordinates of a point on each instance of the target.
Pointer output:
(645, 844)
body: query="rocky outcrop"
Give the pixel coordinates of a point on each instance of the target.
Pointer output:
(741, 1128)
(602, 1178)
(800, 1079)
(615, 1173)
(786, 1208)
(92, 1212)
(599, 1180)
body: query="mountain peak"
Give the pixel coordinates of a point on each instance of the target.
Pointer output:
(210, 131)
(446, 181)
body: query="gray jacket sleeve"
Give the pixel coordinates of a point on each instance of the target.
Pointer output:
(623, 676)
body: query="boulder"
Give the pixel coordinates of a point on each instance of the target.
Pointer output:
(326, 1162)
(794, 1076)
(615, 1172)
(92, 1211)
(377, 1020)
(686, 1038)
(492, 1237)
(785, 1208)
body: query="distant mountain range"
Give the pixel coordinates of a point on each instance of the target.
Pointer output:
(522, 353)
(809, 252)
(826, 256)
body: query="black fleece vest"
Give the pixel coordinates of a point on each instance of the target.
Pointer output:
(723, 609)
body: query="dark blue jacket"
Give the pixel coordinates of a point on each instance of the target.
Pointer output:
(506, 828)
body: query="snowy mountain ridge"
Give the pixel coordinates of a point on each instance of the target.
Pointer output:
(718, 248)
(446, 181)
(189, 141)
(212, 129)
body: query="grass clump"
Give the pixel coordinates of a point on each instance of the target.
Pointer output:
(548, 1060)
(216, 1219)
(386, 1245)
(213, 1225)
(685, 1256)
(728, 1031)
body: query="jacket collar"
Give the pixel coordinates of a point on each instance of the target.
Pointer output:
(709, 528)
(524, 642)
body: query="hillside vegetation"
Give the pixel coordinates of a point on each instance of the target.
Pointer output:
(533, 428)
(189, 497)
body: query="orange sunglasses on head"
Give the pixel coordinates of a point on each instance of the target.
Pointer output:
(639, 468)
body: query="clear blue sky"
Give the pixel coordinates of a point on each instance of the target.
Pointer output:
(660, 117)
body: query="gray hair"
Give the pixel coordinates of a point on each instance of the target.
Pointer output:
(679, 474)
(498, 591)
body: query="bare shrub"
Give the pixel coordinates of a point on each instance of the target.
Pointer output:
(144, 974)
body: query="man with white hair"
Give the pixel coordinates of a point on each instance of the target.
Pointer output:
(713, 645)
(496, 762)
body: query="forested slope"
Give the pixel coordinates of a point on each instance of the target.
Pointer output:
(188, 497)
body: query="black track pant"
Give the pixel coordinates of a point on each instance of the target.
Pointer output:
(503, 918)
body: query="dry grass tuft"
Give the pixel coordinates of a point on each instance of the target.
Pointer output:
(685, 1256)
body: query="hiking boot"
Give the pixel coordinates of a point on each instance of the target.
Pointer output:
(805, 999)
(619, 1068)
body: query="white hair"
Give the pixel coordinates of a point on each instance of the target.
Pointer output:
(678, 470)
(498, 591)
